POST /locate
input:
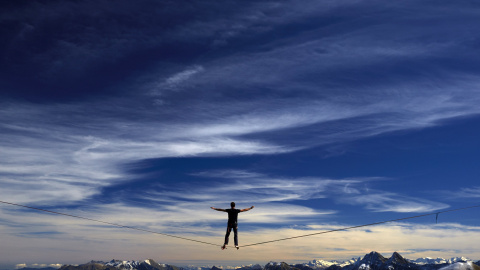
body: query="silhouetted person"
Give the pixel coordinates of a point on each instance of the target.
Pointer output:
(232, 222)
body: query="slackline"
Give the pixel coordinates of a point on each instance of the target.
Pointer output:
(248, 245)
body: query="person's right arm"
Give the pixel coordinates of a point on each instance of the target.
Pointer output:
(218, 209)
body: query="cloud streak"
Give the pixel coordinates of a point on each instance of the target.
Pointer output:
(258, 187)
(391, 202)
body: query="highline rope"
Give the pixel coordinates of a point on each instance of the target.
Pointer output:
(248, 245)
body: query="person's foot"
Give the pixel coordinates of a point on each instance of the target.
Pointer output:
(237, 247)
(223, 247)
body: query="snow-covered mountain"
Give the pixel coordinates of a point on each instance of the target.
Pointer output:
(132, 265)
(376, 261)
(371, 261)
(326, 264)
(121, 265)
(461, 266)
(428, 260)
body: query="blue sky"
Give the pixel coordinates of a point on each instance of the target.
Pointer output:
(322, 114)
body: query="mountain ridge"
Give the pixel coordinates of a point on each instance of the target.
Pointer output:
(371, 261)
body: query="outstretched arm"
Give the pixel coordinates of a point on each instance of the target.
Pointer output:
(247, 209)
(218, 209)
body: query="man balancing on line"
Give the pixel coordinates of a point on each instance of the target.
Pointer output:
(232, 222)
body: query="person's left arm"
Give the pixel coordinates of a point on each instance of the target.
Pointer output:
(247, 209)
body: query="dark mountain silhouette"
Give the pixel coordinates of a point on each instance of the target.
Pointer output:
(279, 266)
(88, 266)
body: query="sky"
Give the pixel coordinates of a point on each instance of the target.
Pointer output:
(321, 114)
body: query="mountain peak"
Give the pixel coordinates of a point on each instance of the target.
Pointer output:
(397, 259)
(279, 266)
(373, 258)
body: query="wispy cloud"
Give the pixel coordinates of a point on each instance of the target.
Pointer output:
(256, 187)
(473, 192)
(78, 46)
(260, 188)
(391, 202)
(72, 162)
(462, 193)
(175, 81)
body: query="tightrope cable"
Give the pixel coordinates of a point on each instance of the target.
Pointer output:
(254, 244)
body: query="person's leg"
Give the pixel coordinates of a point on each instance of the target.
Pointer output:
(227, 235)
(235, 235)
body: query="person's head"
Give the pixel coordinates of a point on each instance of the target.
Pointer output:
(232, 204)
